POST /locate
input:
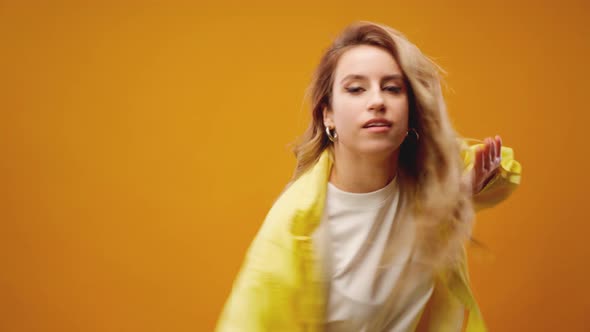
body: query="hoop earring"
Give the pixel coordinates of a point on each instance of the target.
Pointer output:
(415, 133)
(332, 137)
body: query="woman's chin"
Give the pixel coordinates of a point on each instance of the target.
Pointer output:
(378, 149)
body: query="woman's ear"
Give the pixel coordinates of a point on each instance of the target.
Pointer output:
(328, 121)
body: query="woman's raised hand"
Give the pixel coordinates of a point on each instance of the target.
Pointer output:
(487, 162)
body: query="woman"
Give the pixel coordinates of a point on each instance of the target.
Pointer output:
(369, 235)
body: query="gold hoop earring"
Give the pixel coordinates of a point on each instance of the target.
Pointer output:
(332, 137)
(415, 133)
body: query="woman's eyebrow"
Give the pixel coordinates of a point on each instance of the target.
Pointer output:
(362, 77)
(392, 78)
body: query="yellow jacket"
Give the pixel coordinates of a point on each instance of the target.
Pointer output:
(280, 287)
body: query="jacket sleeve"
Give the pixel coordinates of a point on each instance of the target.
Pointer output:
(257, 292)
(502, 184)
(262, 295)
(246, 307)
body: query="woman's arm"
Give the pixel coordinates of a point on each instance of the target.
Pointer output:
(262, 297)
(257, 299)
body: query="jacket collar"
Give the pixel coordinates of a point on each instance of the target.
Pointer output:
(310, 194)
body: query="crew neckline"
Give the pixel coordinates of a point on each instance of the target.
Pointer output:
(368, 200)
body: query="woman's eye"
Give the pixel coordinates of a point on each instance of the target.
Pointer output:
(358, 89)
(394, 89)
(354, 89)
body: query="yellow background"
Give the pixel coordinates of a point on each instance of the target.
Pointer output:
(142, 144)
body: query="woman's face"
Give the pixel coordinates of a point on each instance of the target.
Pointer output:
(369, 107)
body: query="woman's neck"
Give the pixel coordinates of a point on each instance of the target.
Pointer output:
(359, 173)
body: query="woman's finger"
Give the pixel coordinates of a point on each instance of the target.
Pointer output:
(492, 153)
(499, 151)
(486, 159)
(478, 166)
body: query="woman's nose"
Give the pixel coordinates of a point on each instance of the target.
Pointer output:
(376, 103)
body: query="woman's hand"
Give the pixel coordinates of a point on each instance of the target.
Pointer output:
(487, 162)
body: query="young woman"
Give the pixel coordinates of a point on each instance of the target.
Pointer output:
(370, 234)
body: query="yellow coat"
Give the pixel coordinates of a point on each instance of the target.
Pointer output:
(279, 287)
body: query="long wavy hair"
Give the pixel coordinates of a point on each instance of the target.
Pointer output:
(435, 192)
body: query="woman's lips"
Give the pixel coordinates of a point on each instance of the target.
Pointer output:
(378, 129)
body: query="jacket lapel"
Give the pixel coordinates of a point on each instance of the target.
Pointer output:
(309, 195)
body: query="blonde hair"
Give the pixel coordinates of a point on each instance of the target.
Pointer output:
(430, 173)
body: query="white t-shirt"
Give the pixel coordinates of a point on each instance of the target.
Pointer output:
(364, 292)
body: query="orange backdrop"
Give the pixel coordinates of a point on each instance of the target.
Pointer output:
(143, 143)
